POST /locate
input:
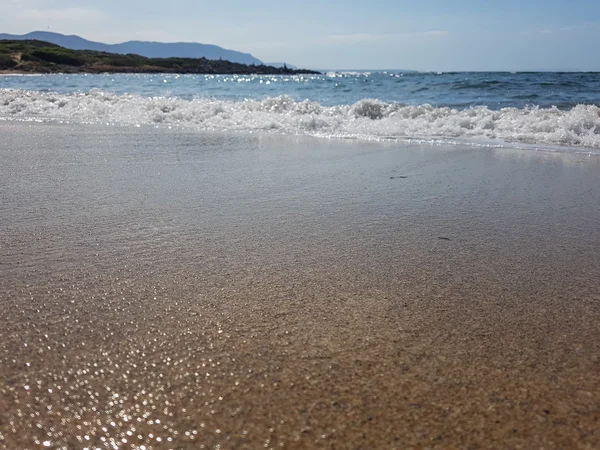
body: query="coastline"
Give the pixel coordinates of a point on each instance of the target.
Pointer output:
(209, 70)
(254, 290)
(33, 56)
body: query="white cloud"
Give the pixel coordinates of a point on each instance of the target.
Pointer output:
(431, 33)
(369, 37)
(568, 29)
(63, 15)
(30, 15)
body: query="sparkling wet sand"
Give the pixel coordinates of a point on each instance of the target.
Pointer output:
(162, 289)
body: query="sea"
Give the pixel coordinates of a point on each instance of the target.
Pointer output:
(547, 111)
(318, 261)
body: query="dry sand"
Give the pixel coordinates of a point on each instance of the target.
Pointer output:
(165, 289)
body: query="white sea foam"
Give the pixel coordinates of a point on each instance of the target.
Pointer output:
(366, 119)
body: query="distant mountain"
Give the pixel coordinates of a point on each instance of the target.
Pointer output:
(147, 49)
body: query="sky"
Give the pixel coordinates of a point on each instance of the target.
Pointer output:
(439, 35)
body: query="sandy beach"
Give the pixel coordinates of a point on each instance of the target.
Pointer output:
(169, 289)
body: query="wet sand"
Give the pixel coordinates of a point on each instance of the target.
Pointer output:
(162, 289)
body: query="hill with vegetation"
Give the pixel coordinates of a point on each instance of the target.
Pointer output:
(143, 48)
(33, 56)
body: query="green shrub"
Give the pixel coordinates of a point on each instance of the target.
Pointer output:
(7, 62)
(124, 60)
(58, 56)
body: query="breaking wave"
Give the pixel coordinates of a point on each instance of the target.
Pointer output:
(578, 126)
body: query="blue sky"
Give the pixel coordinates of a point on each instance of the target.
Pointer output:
(367, 34)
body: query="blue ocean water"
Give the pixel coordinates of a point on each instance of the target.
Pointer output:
(500, 108)
(456, 90)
